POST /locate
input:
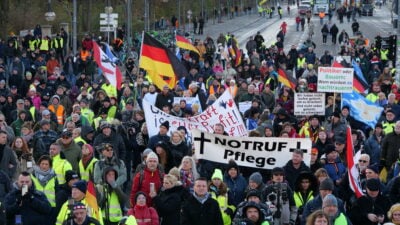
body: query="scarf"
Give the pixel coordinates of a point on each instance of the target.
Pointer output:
(43, 176)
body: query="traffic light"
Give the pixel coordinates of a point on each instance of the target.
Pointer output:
(390, 44)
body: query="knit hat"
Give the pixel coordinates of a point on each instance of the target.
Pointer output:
(373, 184)
(146, 152)
(374, 167)
(336, 114)
(151, 155)
(278, 170)
(329, 200)
(105, 125)
(253, 192)
(79, 205)
(70, 175)
(256, 178)
(327, 184)
(45, 112)
(232, 165)
(217, 175)
(165, 124)
(340, 140)
(80, 185)
(329, 148)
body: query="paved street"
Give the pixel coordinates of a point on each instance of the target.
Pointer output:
(247, 25)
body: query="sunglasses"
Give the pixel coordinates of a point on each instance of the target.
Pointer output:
(363, 161)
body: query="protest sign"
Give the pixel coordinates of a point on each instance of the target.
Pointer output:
(189, 101)
(306, 104)
(244, 106)
(223, 111)
(335, 79)
(256, 152)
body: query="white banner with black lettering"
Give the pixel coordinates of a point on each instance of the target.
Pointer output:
(256, 152)
(310, 103)
(223, 111)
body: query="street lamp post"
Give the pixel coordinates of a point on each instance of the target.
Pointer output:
(50, 15)
(189, 16)
(74, 28)
(108, 10)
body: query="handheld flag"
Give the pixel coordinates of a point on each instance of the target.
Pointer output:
(354, 173)
(161, 63)
(108, 52)
(359, 82)
(92, 201)
(286, 80)
(361, 108)
(109, 68)
(184, 43)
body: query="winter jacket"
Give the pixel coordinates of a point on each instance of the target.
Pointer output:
(143, 184)
(157, 138)
(336, 170)
(292, 173)
(365, 205)
(144, 215)
(236, 187)
(8, 162)
(117, 164)
(168, 204)
(373, 149)
(33, 206)
(194, 212)
(162, 100)
(390, 149)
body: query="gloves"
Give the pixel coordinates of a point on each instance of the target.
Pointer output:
(229, 212)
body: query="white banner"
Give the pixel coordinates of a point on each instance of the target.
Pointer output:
(256, 152)
(244, 106)
(335, 79)
(307, 104)
(223, 111)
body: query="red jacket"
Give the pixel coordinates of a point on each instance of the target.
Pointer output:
(148, 177)
(144, 215)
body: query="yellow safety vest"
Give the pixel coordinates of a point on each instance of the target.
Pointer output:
(114, 208)
(300, 62)
(49, 189)
(89, 114)
(32, 45)
(388, 127)
(384, 54)
(341, 220)
(44, 46)
(57, 43)
(298, 199)
(110, 90)
(60, 166)
(64, 212)
(223, 205)
(87, 173)
(79, 139)
(32, 110)
(131, 220)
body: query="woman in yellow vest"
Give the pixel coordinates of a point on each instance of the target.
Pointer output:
(304, 191)
(45, 180)
(86, 164)
(219, 192)
(112, 198)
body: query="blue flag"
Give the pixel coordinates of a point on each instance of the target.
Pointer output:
(361, 108)
(108, 52)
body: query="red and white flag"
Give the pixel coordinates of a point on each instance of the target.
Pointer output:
(354, 173)
(109, 68)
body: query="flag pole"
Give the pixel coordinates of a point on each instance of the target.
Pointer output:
(141, 49)
(334, 101)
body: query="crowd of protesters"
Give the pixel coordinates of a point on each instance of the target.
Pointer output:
(63, 125)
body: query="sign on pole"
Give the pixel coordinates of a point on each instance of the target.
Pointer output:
(307, 104)
(334, 79)
(111, 15)
(107, 29)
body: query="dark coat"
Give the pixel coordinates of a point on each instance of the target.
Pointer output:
(365, 205)
(315, 205)
(162, 100)
(292, 173)
(168, 205)
(195, 213)
(8, 159)
(34, 207)
(237, 187)
(114, 139)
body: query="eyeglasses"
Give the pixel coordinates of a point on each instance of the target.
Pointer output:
(363, 161)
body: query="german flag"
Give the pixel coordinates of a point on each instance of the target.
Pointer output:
(165, 66)
(184, 43)
(92, 201)
(359, 83)
(286, 80)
